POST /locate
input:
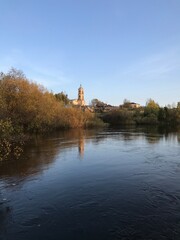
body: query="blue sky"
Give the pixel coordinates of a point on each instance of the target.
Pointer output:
(116, 49)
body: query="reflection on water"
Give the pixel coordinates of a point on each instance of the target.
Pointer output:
(81, 147)
(42, 151)
(94, 184)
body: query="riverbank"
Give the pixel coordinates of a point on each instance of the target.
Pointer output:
(27, 108)
(148, 115)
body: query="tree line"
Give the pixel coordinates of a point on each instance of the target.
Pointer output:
(151, 114)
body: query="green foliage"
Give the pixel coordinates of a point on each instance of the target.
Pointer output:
(151, 114)
(151, 110)
(97, 103)
(119, 117)
(163, 113)
(151, 104)
(93, 121)
(11, 140)
(62, 97)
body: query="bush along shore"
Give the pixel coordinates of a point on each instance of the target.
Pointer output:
(26, 108)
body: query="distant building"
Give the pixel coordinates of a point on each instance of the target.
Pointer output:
(134, 105)
(80, 101)
(131, 105)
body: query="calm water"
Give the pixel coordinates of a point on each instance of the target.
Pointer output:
(97, 184)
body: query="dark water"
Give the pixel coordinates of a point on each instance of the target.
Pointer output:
(103, 184)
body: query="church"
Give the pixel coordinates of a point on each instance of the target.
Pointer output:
(80, 101)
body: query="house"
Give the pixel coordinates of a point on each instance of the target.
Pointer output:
(134, 105)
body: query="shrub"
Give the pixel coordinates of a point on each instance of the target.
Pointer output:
(11, 140)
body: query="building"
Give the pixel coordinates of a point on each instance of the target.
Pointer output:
(80, 101)
(134, 105)
(130, 105)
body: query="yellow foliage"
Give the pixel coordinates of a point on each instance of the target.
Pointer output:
(31, 106)
(28, 107)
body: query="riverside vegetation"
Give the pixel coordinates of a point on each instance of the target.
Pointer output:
(26, 108)
(151, 114)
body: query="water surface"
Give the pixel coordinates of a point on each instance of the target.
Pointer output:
(93, 184)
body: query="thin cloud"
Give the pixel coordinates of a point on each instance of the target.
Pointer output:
(155, 66)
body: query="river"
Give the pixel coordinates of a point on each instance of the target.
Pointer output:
(93, 184)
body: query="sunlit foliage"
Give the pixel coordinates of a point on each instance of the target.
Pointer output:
(34, 108)
(30, 107)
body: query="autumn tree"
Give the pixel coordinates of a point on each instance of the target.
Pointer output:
(33, 107)
(151, 112)
(152, 104)
(28, 107)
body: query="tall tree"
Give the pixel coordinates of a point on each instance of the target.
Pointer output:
(62, 97)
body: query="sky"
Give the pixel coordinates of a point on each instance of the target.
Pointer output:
(117, 49)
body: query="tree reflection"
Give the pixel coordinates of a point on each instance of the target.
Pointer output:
(81, 147)
(42, 151)
(4, 214)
